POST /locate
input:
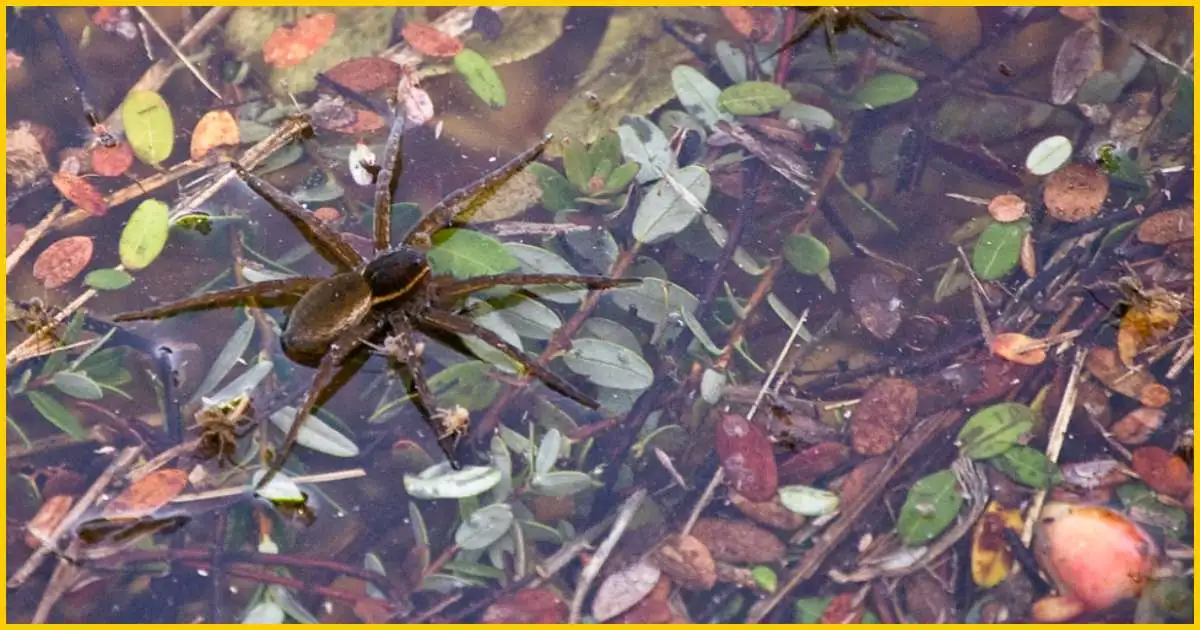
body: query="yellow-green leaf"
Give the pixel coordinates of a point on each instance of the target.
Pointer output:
(481, 77)
(145, 235)
(148, 126)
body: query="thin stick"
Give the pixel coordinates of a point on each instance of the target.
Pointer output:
(341, 475)
(31, 237)
(24, 350)
(1058, 434)
(704, 499)
(138, 189)
(50, 544)
(178, 53)
(589, 573)
(783, 352)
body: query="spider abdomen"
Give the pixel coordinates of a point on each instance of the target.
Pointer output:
(328, 308)
(396, 273)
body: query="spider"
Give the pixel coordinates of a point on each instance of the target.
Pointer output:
(394, 293)
(838, 20)
(219, 432)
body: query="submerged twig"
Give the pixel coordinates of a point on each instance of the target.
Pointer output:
(592, 570)
(178, 53)
(31, 237)
(1058, 434)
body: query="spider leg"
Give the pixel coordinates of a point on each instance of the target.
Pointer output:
(891, 15)
(269, 289)
(874, 32)
(388, 178)
(404, 332)
(328, 242)
(806, 28)
(451, 290)
(830, 39)
(467, 200)
(461, 325)
(340, 350)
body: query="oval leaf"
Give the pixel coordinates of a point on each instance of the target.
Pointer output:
(229, 356)
(994, 430)
(609, 364)
(808, 501)
(145, 234)
(930, 507)
(885, 89)
(672, 204)
(441, 481)
(538, 260)
(467, 253)
(315, 434)
(484, 526)
(1048, 155)
(57, 414)
(698, 95)
(77, 385)
(148, 126)
(644, 144)
(623, 589)
(481, 77)
(108, 279)
(754, 98)
(548, 452)
(654, 300)
(806, 253)
(1026, 466)
(281, 488)
(998, 250)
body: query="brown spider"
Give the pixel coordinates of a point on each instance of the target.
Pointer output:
(838, 20)
(393, 293)
(219, 432)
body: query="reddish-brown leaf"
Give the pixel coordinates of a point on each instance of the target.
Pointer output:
(80, 192)
(1167, 227)
(43, 524)
(290, 44)
(875, 299)
(215, 129)
(842, 609)
(148, 494)
(366, 74)
(15, 233)
(687, 561)
(808, 465)
(62, 261)
(530, 605)
(885, 412)
(1104, 364)
(112, 161)
(854, 483)
(1163, 471)
(428, 40)
(1007, 208)
(738, 542)
(365, 121)
(748, 457)
(771, 513)
(1018, 348)
(1138, 425)
(1075, 192)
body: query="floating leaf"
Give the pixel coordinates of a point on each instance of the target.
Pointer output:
(998, 250)
(469, 384)
(108, 279)
(884, 89)
(62, 261)
(148, 126)
(994, 430)
(217, 128)
(712, 385)
(77, 385)
(698, 95)
(147, 494)
(80, 192)
(112, 161)
(609, 364)
(643, 143)
(623, 589)
(467, 253)
(429, 40)
(931, 505)
(667, 209)
(754, 98)
(315, 434)
(808, 501)
(806, 116)
(57, 414)
(366, 74)
(441, 481)
(291, 44)
(765, 578)
(562, 483)
(806, 253)
(1026, 466)
(145, 235)
(1049, 155)
(481, 77)
(484, 526)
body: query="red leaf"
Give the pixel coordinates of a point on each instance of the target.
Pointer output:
(80, 192)
(748, 457)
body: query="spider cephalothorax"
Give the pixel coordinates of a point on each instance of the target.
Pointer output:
(394, 293)
(838, 20)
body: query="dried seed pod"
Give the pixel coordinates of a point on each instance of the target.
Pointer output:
(1075, 192)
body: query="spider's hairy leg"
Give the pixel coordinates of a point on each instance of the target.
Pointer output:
(403, 331)
(267, 290)
(387, 180)
(340, 350)
(811, 22)
(874, 32)
(329, 243)
(449, 291)
(457, 324)
(462, 203)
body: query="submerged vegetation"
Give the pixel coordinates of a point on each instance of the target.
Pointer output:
(894, 309)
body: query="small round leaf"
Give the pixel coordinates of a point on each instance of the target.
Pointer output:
(145, 235)
(806, 253)
(753, 98)
(148, 126)
(1048, 155)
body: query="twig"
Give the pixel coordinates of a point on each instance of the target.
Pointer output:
(178, 53)
(31, 237)
(138, 189)
(589, 573)
(526, 228)
(50, 544)
(24, 349)
(783, 352)
(1058, 434)
(341, 475)
(703, 501)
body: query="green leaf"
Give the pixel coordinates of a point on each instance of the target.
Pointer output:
(806, 253)
(577, 164)
(609, 364)
(765, 577)
(884, 89)
(441, 481)
(643, 143)
(998, 250)
(672, 204)
(562, 483)
(810, 609)
(994, 430)
(753, 98)
(469, 384)
(654, 300)
(481, 77)
(57, 414)
(619, 179)
(467, 253)
(548, 450)
(528, 317)
(484, 526)
(145, 234)
(606, 148)
(807, 116)
(1139, 498)
(732, 60)
(930, 507)
(315, 434)
(1026, 466)
(557, 194)
(77, 385)
(698, 95)
(108, 279)
(148, 126)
